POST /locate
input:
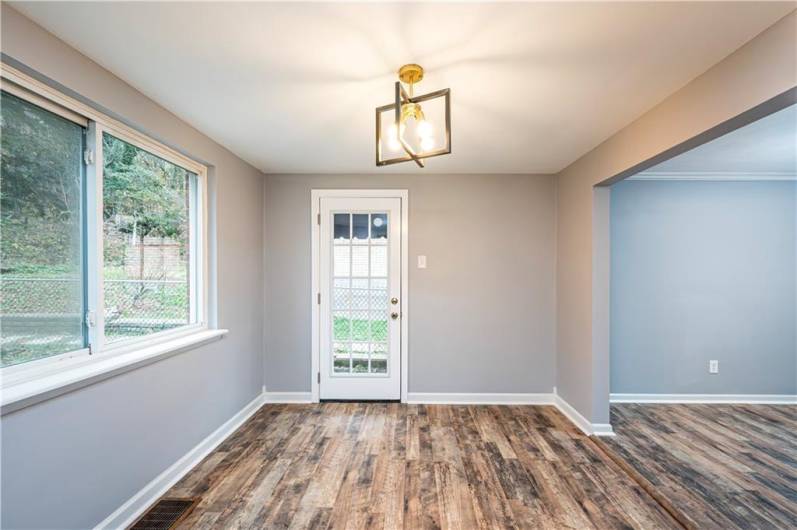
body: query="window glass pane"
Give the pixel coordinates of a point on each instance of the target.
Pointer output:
(378, 261)
(359, 299)
(379, 327)
(146, 241)
(359, 261)
(359, 364)
(379, 299)
(341, 357)
(359, 354)
(340, 298)
(342, 228)
(41, 278)
(359, 325)
(341, 325)
(378, 226)
(379, 363)
(342, 261)
(360, 226)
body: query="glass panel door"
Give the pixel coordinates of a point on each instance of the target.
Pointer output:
(360, 324)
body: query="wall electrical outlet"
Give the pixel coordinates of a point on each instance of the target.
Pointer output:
(713, 367)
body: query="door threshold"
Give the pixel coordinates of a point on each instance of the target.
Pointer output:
(360, 401)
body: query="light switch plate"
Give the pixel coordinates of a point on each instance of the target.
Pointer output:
(421, 262)
(713, 367)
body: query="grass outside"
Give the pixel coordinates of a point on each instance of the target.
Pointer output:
(345, 329)
(347, 332)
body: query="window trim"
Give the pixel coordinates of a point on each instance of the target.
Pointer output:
(96, 123)
(198, 271)
(46, 104)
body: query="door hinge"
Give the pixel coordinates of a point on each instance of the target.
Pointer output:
(319, 298)
(319, 377)
(319, 219)
(91, 351)
(88, 157)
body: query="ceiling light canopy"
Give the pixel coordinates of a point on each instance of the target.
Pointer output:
(407, 131)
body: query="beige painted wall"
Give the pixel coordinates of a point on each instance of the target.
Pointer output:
(481, 314)
(70, 461)
(760, 70)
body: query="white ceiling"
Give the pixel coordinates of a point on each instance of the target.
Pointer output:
(291, 87)
(764, 149)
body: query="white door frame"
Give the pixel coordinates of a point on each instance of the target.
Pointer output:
(315, 234)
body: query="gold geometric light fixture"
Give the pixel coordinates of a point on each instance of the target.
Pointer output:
(413, 128)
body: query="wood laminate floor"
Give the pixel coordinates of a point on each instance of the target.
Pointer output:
(387, 465)
(720, 466)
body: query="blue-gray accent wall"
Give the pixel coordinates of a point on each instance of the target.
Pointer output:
(704, 270)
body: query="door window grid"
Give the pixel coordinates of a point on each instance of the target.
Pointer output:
(359, 300)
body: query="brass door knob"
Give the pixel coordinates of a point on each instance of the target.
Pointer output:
(394, 316)
(394, 301)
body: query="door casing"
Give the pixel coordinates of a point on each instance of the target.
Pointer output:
(315, 199)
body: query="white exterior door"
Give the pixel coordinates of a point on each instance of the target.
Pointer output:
(360, 298)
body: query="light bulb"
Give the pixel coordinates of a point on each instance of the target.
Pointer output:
(425, 129)
(427, 143)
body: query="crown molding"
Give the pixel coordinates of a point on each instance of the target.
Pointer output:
(716, 176)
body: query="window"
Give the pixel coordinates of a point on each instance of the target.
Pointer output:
(93, 257)
(146, 207)
(42, 295)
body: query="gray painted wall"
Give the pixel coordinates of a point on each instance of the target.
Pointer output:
(481, 314)
(71, 461)
(760, 70)
(700, 271)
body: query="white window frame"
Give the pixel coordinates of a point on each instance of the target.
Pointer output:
(96, 123)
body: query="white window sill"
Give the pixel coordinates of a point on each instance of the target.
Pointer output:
(26, 393)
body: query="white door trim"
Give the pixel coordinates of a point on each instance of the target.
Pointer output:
(315, 201)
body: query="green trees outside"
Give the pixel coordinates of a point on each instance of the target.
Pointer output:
(40, 190)
(143, 196)
(42, 222)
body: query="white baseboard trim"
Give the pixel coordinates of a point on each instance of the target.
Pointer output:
(597, 429)
(440, 398)
(752, 399)
(128, 512)
(288, 397)
(444, 398)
